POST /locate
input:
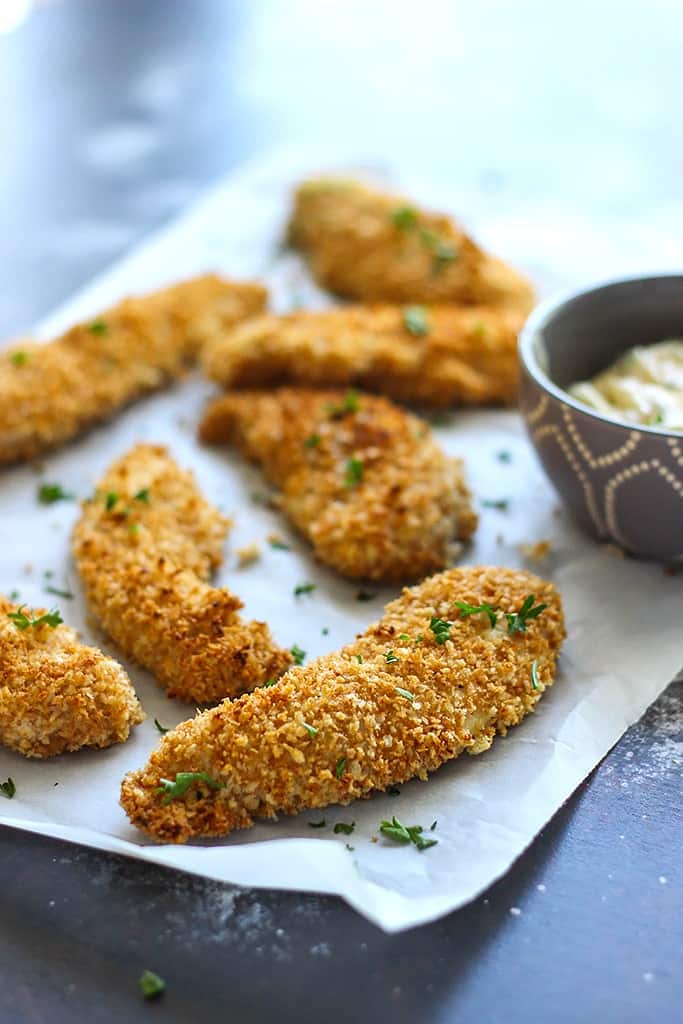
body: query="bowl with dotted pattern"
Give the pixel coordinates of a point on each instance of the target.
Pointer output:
(622, 481)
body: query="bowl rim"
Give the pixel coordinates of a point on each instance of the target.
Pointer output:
(539, 317)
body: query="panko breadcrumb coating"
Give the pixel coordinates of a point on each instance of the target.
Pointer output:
(375, 247)
(433, 356)
(48, 393)
(358, 720)
(145, 547)
(56, 694)
(363, 480)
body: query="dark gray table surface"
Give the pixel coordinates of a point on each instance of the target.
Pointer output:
(113, 115)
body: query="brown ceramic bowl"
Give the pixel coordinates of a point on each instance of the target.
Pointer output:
(623, 483)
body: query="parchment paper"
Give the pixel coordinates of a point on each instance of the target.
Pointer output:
(623, 616)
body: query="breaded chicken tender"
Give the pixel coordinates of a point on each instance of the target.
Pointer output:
(375, 247)
(48, 393)
(362, 479)
(433, 356)
(56, 694)
(145, 547)
(412, 692)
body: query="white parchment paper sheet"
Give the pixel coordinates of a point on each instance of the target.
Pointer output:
(623, 617)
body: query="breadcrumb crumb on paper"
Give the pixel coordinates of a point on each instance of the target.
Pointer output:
(57, 694)
(145, 547)
(49, 393)
(341, 727)
(362, 479)
(375, 247)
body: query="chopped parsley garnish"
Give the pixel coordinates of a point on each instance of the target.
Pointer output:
(258, 498)
(173, 790)
(405, 693)
(298, 655)
(304, 588)
(8, 788)
(19, 358)
(317, 824)
(441, 629)
(474, 609)
(340, 767)
(142, 495)
(312, 441)
(444, 253)
(354, 472)
(48, 494)
(433, 825)
(59, 593)
(403, 636)
(160, 727)
(324, 631)
(349, 403)
(502, 504)
(268, 682)
(415, 320)
(98, 327)
(517, 621)
(110, 500)
(401, 833)
(310, 729)
(404, 218)
(151, 985)
(359, 659)
(365, 595)
(22, 621)
(341, 828)
(504, 455)
(349, 847)
(419, 639)
(133, 529)
(390, 657)
(534, 674)
(278, 545)
(14, 596)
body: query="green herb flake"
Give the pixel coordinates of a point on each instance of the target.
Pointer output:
(317, 824)
(534, 674)
(489, 610)
(403, 636)
(405, 693)
(310, 729)
(151, 985)
(325, 631)
(268, 683)
(22, 621)
(354, 473)
(359, 659)
(278, 545)
(518, 621)
(501, 504)
(444, 253)
(504, 455)
(142, 495)
(18, 358)
(312, 441)
(98, 327)
(401, 833)
(390, 657)
(66, 594)
(365, 595)
(340, 767)
(304, 588)
(15, 595)
(433, 825)
(479, 329)
(404, 218)
(133, 529)
(48, 494)
(298, 655)
(415, 321)
(349, 403)
(160, 727)
(441, 629)
(110, 500)
(341, 828)
(177, 788)
(8, 788)
(349, 847)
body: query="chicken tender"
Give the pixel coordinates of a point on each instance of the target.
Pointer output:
(433, 356)
(145, 547)
(48, 393)
(368, 245)
(426, 683)
(363, 480)
(56, 694)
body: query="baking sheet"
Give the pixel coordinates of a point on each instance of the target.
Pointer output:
(623, 616)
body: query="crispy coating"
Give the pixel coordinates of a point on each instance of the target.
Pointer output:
(466, 355)
(368, 245)
(56, 694)
(48, 393)
(145, 562)
(370, 488)
(363, 734)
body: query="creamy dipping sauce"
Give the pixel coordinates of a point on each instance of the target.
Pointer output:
(643, 386)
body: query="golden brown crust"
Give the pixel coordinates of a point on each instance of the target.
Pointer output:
(468, 355)
(48, 393)
(399, 521)
(145, 563)
(368, 735)
(372, 246)
(56, 694)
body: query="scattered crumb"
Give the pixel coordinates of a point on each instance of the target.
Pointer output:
(373, 839)
(537, 551)
(247, 555)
